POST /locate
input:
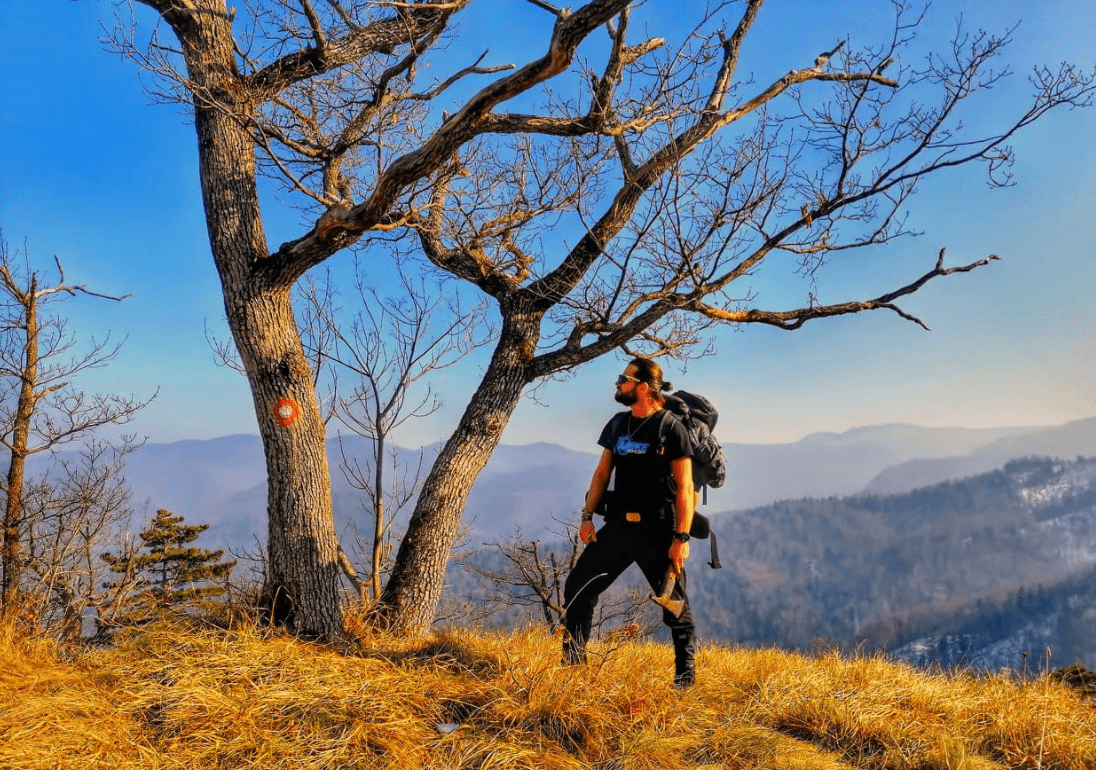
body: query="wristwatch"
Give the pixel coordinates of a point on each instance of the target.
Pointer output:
(681, 537)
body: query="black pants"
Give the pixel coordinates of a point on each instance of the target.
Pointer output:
(619, 544)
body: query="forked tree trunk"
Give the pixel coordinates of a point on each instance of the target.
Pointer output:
(302, 578)
(410, 599)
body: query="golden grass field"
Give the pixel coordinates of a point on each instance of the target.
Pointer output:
(248, 697)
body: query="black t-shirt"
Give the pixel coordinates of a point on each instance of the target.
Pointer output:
(642, 452)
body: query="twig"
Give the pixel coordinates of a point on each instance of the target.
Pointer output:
(1043, 731)
(549, 7)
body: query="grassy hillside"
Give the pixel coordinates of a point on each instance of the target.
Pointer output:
(205, 697)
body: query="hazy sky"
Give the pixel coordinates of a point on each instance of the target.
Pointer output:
(95, 173)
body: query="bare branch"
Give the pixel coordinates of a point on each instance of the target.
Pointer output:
(557, 12)
(383, 35)
(474, 69)
(40, 408)
(434, 152)
(790, 320)
(317, 27)
(342, 13)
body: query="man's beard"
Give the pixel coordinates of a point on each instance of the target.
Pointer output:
(627, 398)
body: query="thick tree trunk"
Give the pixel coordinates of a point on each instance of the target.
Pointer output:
(20, 439)
(302, 578)
(409, 602)
(13, 517)
(12, 553)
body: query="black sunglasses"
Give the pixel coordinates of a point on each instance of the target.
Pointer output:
(623, 378)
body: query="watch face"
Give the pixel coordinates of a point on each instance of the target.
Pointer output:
(681, 537)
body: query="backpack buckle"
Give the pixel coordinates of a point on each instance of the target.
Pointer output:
(632, 516)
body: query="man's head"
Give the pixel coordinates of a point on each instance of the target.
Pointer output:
(641, 378)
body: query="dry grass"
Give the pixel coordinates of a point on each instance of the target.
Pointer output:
(251, 698)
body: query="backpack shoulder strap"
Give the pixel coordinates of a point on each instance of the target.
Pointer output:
(616, 421)
(663, 419)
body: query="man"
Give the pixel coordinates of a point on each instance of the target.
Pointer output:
(648, 517)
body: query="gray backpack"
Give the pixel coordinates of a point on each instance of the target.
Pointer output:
(699, 417)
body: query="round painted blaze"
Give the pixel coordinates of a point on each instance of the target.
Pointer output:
(286, 412)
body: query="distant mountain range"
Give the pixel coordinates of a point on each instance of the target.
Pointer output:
(885, 459)
(1067, 441)
(222, 481)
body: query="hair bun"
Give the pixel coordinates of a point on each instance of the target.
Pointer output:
(667, 386)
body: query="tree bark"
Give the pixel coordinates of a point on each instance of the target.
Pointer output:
(302, 578)
(378, 511)
(410, 599)
(20, 438)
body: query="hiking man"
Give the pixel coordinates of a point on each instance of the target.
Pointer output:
(647, 518)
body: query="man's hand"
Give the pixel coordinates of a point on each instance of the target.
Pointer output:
(587, 532)
(679, 552)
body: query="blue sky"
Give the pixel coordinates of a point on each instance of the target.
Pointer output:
(95, 173)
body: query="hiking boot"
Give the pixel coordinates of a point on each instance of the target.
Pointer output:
(574, 653)
(571, 659)
(684, 658)
(685, 679)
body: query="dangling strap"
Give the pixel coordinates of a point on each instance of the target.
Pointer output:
(714, 563)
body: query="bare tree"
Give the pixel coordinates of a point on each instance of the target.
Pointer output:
(674, 179)
(43, 410)
(387, 348)
(531, 574)
(75, 510)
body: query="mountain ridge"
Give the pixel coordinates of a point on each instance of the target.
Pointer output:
(222, 481)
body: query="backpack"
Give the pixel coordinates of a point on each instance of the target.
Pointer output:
(699, 417)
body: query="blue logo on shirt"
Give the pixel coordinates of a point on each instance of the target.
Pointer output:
(625, 446)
